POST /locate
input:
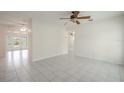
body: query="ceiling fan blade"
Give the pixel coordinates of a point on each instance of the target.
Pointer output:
(64, 18)
(84, 17)
(77, 22)
(75, 14)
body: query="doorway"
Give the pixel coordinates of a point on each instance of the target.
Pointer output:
(17, 41)
(18, 46)
(71, 39)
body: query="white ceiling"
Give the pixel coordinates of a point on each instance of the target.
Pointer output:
(14, 18)
(101, 15)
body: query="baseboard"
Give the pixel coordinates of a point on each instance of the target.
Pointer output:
(42, 58)
(120, 63)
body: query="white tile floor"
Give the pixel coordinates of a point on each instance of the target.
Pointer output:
(64, 68)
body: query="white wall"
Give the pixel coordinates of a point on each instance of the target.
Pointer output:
(2, 42)
(48, 39)
(103, 40)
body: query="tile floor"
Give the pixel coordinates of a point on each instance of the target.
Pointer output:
(64, 68)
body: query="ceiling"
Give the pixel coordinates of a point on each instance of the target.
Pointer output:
(102, 15)
(24, 17)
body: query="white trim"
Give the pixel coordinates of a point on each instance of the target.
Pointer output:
(100, 59)
(42, 58)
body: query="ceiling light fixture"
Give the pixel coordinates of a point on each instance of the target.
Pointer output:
(23, 29)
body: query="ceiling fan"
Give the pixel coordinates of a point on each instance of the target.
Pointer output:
(74, 17)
